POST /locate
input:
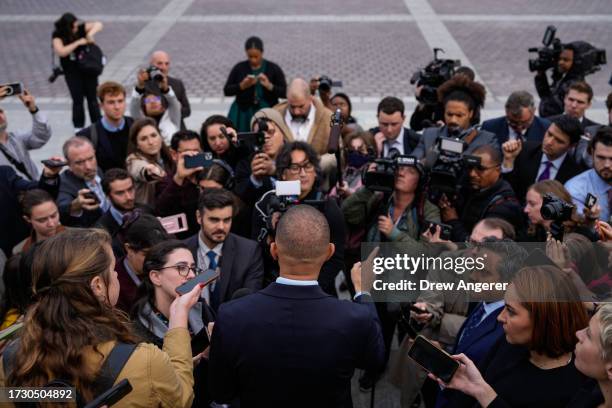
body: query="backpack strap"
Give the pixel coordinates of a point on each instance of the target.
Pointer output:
(113, 365)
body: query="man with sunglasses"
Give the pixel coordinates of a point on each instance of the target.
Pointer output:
(486, 195)
(520, 121)
(526, 163)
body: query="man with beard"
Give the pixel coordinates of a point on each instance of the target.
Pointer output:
(238, 259)
(462, 100)
(487, 195)
(81, 200)
(598, 180)
(118, 186)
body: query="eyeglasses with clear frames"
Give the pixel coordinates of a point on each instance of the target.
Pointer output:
(295, 168)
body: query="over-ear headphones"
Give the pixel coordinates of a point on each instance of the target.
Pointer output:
(230, 181)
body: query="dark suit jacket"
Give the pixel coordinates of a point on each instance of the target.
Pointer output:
(477, 346)
(585, 122)
(499, 126)
(179, 90)
(292, 346)
(12, 225)
(241, 267)
(526, 168)
(69, 190)
(410, 141)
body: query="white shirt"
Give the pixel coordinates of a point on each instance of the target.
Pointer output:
(514, 135)
(554, 169)
(203, 262)
(301, 130)
(397, 143)
(295, 282)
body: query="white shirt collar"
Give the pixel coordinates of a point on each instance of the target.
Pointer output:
(493, 306)
(203, 247)
(295, 282)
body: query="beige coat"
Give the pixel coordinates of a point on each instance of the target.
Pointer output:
(318, 137)
(158, 378)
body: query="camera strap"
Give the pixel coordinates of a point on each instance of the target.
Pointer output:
(18, 165)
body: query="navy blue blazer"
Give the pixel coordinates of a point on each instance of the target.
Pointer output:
(69, 190)
(499, 126)
(241, 266)
(410, 141)
(292, 346)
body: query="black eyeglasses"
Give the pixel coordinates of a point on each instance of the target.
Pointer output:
(183, 269)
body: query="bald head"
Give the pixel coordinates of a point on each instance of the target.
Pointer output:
(161, 60)
(303, 238)
(299, 99)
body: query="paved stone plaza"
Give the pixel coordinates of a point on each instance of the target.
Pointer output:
(372, 46)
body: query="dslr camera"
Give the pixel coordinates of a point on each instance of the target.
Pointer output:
(155, 74)
(557, 210)
(432, 76)
(56, 73)
(446, 172)
(326, 83)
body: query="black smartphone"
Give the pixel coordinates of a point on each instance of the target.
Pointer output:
(92, 196)
(590, 201)
(205, 277)
(52, 164)
(112, 396)
(416, 310)
(199, 160)
(445, 229)
(432, 359)
(13, 89)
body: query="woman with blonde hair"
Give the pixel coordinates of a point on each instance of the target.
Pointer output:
(73, 326)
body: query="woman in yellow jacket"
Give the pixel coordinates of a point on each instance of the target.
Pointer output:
(73, 326)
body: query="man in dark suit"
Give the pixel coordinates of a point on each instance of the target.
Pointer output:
(291, 344)
(239, 259)
(578, 100)
(529, 162)
(81, 200)
(391, 132)
(519, 122)
(161, 60)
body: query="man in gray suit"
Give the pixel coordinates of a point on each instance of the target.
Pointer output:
(238, 259)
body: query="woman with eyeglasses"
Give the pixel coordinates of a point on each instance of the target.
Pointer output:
(73, 326)
(167, 266)
(298, 162)
(157, 101)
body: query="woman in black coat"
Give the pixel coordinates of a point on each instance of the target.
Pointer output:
(256, 82)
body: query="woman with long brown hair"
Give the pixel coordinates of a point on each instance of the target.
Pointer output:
(73, 326)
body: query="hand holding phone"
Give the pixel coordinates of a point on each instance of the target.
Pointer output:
(432, 359)
(174, 223)
(13, 89)
(198, 160)
(53, 164)
(204, 278)
(590, 201)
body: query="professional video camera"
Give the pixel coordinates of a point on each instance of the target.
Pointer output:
(326, 83)
(587, 58)
(446, 172)
(432, 76)
(557, 210)
(382, 178)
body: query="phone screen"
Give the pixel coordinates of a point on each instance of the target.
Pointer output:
(205, 277)
(590, 201)
(199, 160)
(432, 359)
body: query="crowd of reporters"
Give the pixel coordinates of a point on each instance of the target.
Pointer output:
(96, 251)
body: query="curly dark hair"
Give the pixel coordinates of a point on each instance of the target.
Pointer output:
(463, 89)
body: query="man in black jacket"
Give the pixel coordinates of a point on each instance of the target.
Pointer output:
(488, 195)
(577, 101)
(291, 344)
(529, 162)
(110, 134)
(161, 60)
(390, 132)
